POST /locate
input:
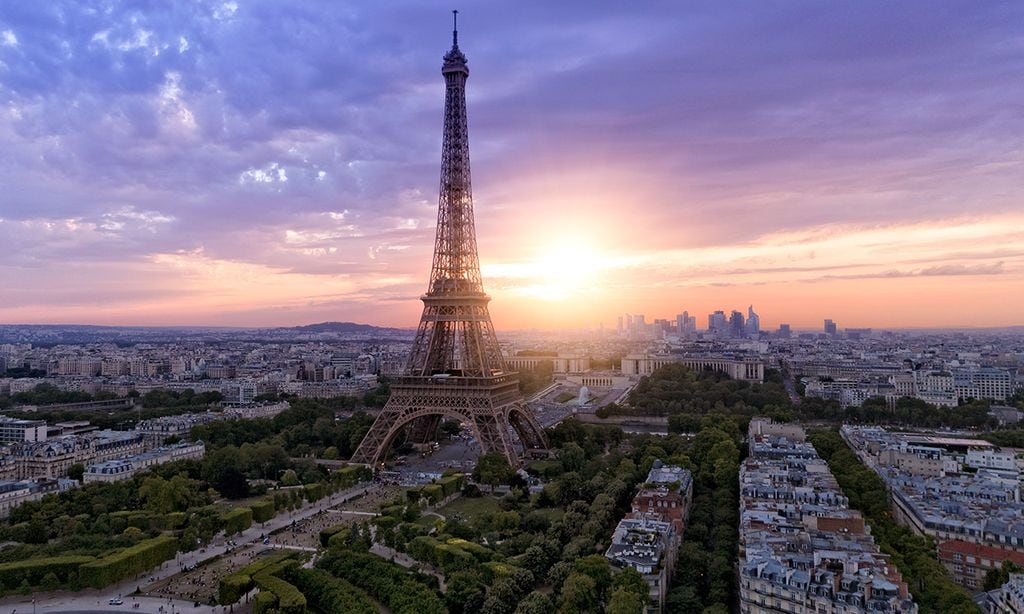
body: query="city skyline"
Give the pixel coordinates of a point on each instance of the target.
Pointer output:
(249, 164)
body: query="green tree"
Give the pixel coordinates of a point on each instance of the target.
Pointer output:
(465, 592)
(222, 469)
(631, 581)
(76, 471)
(598, 569)
(572, 456)
(290, 478)
(624, 602)
(578, 594)
(1000, 575)
(492, 469)
(535, 603)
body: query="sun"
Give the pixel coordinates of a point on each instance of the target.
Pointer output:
(561, 270)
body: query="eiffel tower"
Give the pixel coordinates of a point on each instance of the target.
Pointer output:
(456, 368)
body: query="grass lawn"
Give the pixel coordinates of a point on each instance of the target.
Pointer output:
(565, 396)
(552, 513)
(469, 508)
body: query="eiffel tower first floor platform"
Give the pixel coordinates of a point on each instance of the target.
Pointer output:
(491, 407)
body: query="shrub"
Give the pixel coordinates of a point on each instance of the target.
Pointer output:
(330, 595)
(314, 492)
(13, 575)
(233, 586)
(451, 484)
(494, 570)
(330, 532)
(236, 520)
(480, 553)
(262, 511)
(289, 599)
(124, 563)
(390, 584)
(351, 475)
(433, 492)
(264, 603)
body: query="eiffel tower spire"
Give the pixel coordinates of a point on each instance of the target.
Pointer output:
(455, 366)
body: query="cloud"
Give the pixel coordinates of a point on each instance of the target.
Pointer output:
(237, 130)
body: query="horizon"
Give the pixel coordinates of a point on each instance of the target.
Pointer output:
(412, 329)
(258, 165)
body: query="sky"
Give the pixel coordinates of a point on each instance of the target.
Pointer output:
(267, 163)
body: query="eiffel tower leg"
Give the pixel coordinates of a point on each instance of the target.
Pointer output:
(529, 431)
(494, 436)
(424, 430)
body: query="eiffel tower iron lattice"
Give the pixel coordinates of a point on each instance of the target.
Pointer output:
(455, 367)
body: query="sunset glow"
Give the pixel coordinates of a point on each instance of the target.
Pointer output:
(280, 165)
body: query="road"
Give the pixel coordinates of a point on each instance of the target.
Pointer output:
(92, 600)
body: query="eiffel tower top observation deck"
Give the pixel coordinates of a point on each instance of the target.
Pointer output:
(455, 367)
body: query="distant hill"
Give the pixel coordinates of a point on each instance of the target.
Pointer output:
(339, 327)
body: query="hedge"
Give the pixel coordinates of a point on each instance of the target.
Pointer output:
(289, 599)
(493, 570)
(452, 558)
(433, 492)
(262, 511)
(340, 539)
(314, 492)
(263, 603)
(32, 571)
(329, 532)
(236, 520)
(174, 520)
(351, 475)
(331, 595)
(451, 484)
(233, 586)
(480, 553)
(122, 564)
(389, 583)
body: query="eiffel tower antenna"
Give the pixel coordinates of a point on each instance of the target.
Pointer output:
(456, 368)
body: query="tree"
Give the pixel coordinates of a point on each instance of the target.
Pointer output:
(465, 592)
(631, 581)
(492, 469)
(624, 602)
(290, 478)
(222, 469)
(578, 594)
(598, 569)
(166, 496)
(572, 456)
(1000, 575)
(76, 471)
(502, 598)
(535, 603)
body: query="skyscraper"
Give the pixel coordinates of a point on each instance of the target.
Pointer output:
(718, 324)
(736, 325)
(753, 322)
(830, 327)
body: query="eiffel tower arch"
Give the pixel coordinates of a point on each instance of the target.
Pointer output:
(456, 368)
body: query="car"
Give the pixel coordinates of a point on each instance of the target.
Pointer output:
(116, 601)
